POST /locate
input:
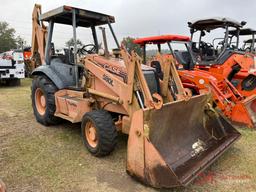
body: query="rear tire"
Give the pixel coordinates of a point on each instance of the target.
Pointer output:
(43, 100)
(98, 132)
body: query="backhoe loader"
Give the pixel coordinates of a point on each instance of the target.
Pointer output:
(170, 140)
(227, 98)
(222, 55)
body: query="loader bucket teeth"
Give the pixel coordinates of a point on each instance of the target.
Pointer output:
(169, 147)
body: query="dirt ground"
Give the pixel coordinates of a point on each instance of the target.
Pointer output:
(53, 159)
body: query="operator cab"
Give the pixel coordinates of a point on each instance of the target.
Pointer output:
(209, 48)
(175, 45)
(66, 63)
(247, 35)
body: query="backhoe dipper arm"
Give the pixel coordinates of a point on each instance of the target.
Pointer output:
(39, 33)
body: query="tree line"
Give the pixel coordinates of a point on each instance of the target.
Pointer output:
(8, 39)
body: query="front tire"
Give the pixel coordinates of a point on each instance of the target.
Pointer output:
(43, 100)
(98, 132)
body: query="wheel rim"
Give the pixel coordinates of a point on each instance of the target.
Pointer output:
(40, 101)
(91, 134)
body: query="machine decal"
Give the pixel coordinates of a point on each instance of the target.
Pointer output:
(108, 79)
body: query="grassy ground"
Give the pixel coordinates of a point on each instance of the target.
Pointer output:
(35, 158)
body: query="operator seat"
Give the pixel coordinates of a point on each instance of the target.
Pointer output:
(152, 80)
(157, 66)
(183, 57)
(69, 56)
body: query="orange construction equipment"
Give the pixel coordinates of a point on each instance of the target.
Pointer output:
(39, 35)
(27, 60)
(34, 56)
(227, 98)
(222, 55)
(170, 142)
(245, 79)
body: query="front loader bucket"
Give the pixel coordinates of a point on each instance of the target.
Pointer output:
(169, 147)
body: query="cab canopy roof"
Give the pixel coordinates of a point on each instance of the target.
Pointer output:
(213, 23)
(246, 31)
(84, 18)
(161, 39)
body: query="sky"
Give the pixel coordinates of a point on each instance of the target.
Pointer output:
(135, 18)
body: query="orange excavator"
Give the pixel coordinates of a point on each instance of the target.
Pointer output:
(172, 137)
(226, 97)
(223, 55)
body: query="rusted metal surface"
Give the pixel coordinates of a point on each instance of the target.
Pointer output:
(157, 172)
(135, 149)
(180, 140)
(189, 146)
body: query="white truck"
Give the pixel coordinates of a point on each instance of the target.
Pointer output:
(12, 67)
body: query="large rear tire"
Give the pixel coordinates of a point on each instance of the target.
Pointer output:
(99, 133)
(43, 101)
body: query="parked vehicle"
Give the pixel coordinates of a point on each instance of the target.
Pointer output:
(12, 67)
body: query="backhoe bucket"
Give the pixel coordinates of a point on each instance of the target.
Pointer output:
(169, 147)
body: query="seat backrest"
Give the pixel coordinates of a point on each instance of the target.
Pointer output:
(184, 58)
(157, 66)
(69, 56)
(152, 81)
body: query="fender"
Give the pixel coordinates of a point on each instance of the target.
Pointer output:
(51, 74)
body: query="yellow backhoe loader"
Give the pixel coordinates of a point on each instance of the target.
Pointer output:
(171, 139)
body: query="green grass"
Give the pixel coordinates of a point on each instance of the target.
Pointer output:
(38, 158)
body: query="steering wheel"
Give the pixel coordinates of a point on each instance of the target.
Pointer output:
(87, 49)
